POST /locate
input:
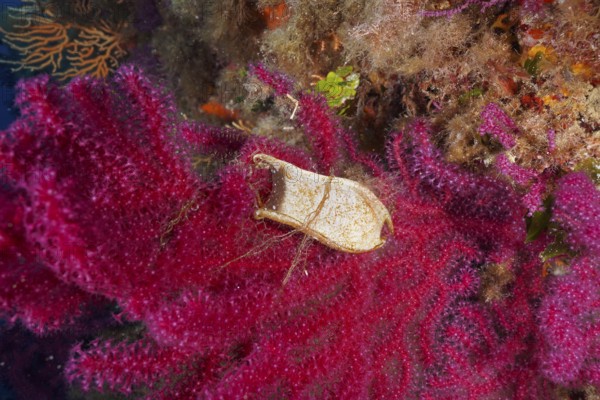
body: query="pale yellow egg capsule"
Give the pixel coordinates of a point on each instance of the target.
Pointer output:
(340, 213)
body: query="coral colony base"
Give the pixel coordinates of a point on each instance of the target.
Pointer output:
(301, 199)
(102, 205)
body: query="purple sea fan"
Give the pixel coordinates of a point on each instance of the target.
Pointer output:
(91, 182)
(570, 322)
(577, 209)
(478, 203)
(571, 326)
(185, 259)
(499, 125)
(324, 132)
(27, 285)
(533, 183)
(281, 83)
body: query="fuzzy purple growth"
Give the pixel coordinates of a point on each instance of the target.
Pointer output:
(577, 209)
(325, 134)
(531, 182)
(521, 176)
(425, 172)
(499, 125)
(570, 322)
(322, 130)
(551, 140)
(281, 83)
(571, 325)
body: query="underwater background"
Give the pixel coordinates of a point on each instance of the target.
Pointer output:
(7, 81)
(144, 248)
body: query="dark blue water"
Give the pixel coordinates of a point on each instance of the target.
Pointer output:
(7, 78)
(7, 115)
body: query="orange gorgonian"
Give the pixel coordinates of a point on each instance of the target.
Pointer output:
(64, 48)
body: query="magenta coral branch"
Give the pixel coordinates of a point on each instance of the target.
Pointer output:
(95, 170)
(499, 125)
(469, 198)
(533, 183)
(281, 83)
(26, 287)
(570, 323)
(322, 130)
(315, 117)
(519, 175)
(577, 209)
(121, 366)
